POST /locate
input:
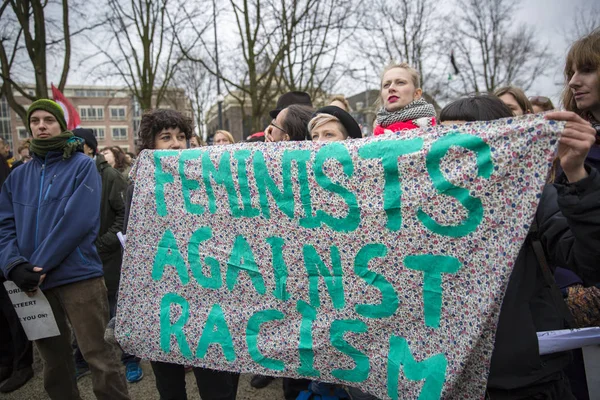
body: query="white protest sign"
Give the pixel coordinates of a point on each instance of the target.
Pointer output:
(34, 312)
(567, 339)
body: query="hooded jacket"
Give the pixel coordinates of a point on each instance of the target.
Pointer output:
(49, 217)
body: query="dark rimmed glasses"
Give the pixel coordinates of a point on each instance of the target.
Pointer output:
(281, 129)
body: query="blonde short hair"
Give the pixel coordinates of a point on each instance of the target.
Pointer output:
(342, 100)
(414, 74)
(321, 119)
(227, 135)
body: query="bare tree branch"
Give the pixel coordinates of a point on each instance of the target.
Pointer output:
(30, 29)
(492, 52)
(67, 37)
(143, 31)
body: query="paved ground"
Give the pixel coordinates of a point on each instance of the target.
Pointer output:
(143, 390)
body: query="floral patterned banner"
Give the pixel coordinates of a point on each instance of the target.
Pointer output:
(378, 263)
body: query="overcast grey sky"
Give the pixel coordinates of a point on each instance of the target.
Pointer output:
(552, 19)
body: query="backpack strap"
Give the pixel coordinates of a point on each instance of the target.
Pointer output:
(557, 296)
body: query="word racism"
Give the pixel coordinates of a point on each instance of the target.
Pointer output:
(378, 263)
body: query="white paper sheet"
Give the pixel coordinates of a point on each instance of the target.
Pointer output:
(567, 339)
(122, 239)
(34, 312)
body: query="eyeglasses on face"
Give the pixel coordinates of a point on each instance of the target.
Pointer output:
(275, 126)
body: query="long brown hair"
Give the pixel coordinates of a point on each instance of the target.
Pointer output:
(120, 160)
(583, 54)
(519, 96)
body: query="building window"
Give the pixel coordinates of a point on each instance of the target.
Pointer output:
(137, 114)
(91, 93)
(119, 133)
(98, 131)
(91, 113)
(22, 132)
(5, 131)
(117, 113)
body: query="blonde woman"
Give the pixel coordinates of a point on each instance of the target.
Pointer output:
(341, 102)
(223, 137)
(402, 104)
(332, 124)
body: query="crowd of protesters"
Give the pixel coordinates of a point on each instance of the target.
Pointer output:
(63, 201)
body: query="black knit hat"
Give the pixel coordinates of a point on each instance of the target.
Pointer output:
(49, 106)
(346, 120)
(289, 98)
(88, 136)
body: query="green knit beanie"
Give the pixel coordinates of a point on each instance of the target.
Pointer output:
(49, 106)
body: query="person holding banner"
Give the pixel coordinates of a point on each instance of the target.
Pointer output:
(55, 252)
(582, 94)
(289, 124)
(402, 104)
(163, 129)
(566, 224)
(332, 124)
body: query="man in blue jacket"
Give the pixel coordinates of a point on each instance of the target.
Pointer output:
(49, 220)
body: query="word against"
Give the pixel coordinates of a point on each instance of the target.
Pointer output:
(378, 263)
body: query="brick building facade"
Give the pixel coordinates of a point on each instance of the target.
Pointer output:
(111, 112)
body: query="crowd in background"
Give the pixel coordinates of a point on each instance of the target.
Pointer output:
(63, 201)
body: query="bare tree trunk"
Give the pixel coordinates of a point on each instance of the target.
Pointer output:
(29, 38)
(279, 50)
(148, 68)
(403, 31)
(67, 36)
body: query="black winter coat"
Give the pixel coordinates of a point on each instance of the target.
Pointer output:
(128, 199)
(568, 218)
(112, 213)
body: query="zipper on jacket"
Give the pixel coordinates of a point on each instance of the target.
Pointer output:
(49, 187)
(37, 218)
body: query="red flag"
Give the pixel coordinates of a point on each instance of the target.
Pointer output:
(71, 114)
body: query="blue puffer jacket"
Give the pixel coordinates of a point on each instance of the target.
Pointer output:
(50, 216)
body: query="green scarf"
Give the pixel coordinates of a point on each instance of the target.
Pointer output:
(65, 142)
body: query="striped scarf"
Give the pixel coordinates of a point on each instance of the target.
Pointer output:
(413, 110)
